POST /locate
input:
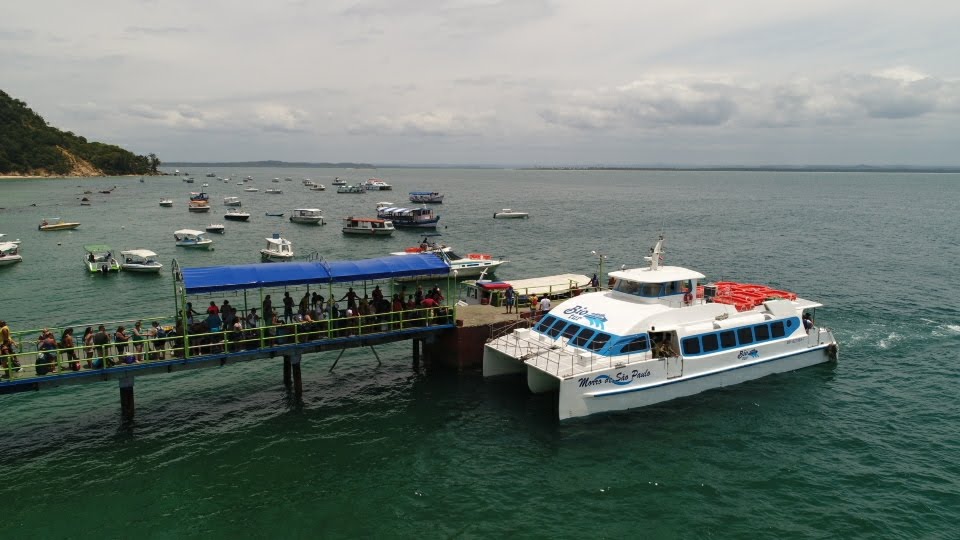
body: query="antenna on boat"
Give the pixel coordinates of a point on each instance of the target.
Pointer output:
(656, 254)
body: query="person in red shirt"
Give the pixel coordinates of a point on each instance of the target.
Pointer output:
(213, 309)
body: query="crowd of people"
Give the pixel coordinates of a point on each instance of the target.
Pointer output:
(224, 327)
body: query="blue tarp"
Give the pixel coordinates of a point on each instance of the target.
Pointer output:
(252, 276)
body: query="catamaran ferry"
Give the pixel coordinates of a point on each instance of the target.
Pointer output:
(658, 334)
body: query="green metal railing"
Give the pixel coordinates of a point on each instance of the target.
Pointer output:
(29, 361)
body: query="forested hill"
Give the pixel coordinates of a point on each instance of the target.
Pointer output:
(28, 146)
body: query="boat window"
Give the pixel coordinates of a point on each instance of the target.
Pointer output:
(651, 289)
(691, 345)
(762, 331)
(570, 330)
(745, 335)
(582, 338)
(776, 329)
(635, 345)
(543, 324)
(554, 330)
(728, 339)
(628, 287)
(598, 342)
(710, 343)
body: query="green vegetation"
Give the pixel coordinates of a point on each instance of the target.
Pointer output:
(28, 145)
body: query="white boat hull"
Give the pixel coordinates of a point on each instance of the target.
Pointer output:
(142, 268)
(201, 245)
(267, 256)
(307, 220)
(511, 215)
(10, 259)
(643, 383)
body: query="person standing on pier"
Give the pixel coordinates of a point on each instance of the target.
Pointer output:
(510, 298)
(101, 340)
(351, 298)
(287, 307)
(120, 338)
(267, 308)
(304, 304)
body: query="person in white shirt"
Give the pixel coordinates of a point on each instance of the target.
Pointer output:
(544, 305)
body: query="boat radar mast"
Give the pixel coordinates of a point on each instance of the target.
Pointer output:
(656, 255)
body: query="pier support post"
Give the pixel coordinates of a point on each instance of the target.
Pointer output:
(293, 361)
(286, 370)
(416, 352)
(126, 398)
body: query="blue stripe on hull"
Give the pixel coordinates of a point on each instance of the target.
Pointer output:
(694, 377)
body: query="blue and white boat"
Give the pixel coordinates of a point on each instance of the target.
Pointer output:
(656, 335)
(431, 197)
(418, 218)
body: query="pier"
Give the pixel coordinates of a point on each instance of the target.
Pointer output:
(450, 334)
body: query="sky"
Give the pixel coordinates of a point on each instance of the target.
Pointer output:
(496, 82)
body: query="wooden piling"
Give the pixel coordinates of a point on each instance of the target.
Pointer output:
(126, 398)
(286, 370)
(293, 360)
(416, 352)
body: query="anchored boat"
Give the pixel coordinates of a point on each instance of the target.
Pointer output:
(471, 265)
(418, 218)
(507, 213)
(277, 250)
(426, 197)
(57, 224)
(9, 253)
(311, 216)
(367, 226)
(140, 260)
(657, 335)
(191, 238)
(100, 259)
(236, 215)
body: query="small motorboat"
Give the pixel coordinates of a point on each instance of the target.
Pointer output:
(274, 191)
(100, 259)
(356, 189)
(199, 202)
(251, 189)
(367, 226)
(274, 214)
(376, 184)
(240, 183)
(318, 187)
(275, 180)
(191, 238)
(507, 213)
(166, 203)
(217, 228)
(236, 215)
(278, 249)
(338, 182)
(231, 201)
(140, 260)
(432, 197)
(311, 216)
(384, 204)
(204, 185)
(10, 253)
(57, 224)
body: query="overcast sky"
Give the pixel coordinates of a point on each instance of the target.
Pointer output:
(537, 82)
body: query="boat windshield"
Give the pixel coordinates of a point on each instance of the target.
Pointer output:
(653, 290)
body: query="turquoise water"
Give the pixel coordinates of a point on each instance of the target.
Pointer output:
(865, 448)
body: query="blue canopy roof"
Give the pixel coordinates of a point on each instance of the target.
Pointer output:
(252, 276)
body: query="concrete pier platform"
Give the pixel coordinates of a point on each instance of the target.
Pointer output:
(462, 347)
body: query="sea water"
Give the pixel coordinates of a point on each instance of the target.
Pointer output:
(864, 448)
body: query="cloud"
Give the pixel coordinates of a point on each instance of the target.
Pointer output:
(156, 31)
(179, 116)
(894, 94)
(437, 124)
(276, 117)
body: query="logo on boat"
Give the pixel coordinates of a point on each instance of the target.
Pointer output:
(752, 353)
(619, 379)
(579, 312)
